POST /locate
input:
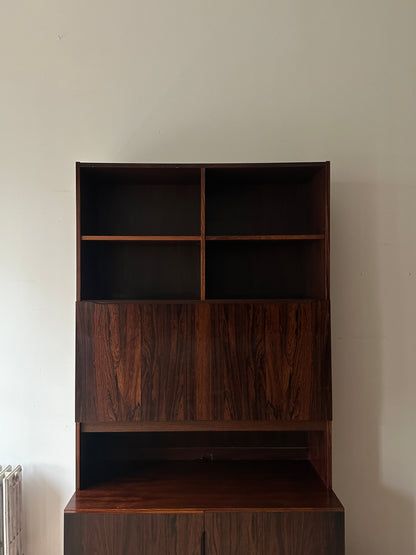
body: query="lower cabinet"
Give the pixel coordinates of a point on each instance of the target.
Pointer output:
(134, 534)
(275, 533)
(206, 533)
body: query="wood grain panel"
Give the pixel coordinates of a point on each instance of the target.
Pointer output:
(135, 362)
(127, 534)
(204, 354)
(270, 361)
(203, 426)
(320, 452)
(319, 533)
(165, 362)
(168, 362)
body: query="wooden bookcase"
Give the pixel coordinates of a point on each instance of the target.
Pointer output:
(203, 365)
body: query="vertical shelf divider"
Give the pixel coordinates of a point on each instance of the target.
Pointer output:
(203, 234)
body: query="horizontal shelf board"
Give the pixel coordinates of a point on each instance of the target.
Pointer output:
(198, 237)
(201, 301)
(121, 165)
(201, 426)
(141, 238)
(189, 486)
(265, 237)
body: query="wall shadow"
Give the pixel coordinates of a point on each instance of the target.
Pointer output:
(379, 519)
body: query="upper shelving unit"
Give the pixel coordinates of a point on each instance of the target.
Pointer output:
(196, 232)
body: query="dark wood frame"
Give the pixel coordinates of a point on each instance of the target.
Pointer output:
(173, 379)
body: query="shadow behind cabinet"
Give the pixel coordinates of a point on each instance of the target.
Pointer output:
(203, 365)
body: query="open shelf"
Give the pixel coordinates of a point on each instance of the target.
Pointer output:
(183, 486)
(140, 270)
(140, 201)
(107, 456)
(265, 201)
(265, 269)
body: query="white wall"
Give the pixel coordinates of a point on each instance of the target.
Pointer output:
(214, 80)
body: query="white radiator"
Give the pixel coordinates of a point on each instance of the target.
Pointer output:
(11, 534)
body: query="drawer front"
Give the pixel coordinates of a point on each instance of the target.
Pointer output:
(203, 362)
(133, 534)
(278, 533)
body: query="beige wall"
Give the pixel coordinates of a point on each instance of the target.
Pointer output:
(210, 80)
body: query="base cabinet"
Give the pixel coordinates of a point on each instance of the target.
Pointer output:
(134, 534)
(209, 533)
(275, 533)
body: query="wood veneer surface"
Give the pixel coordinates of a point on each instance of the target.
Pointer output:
(203, 361)
(124, 534)
(268, 533)
(224, 486)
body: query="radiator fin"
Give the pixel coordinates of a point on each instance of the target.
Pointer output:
(11, 529)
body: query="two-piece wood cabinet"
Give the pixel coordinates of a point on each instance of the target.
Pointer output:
(203, 362)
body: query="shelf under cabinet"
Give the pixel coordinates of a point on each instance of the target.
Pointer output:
(184, 486)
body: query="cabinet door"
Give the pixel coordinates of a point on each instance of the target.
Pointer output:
(203, 361)
(271, 361)
(278, 533)
(135, 362)
(133, 534)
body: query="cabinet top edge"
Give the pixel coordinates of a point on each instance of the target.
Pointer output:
(203, 302)
(233, 165)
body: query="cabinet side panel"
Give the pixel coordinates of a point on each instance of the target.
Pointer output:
(320, 452)
(269, 361)
(275, 533)
(130, 534)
